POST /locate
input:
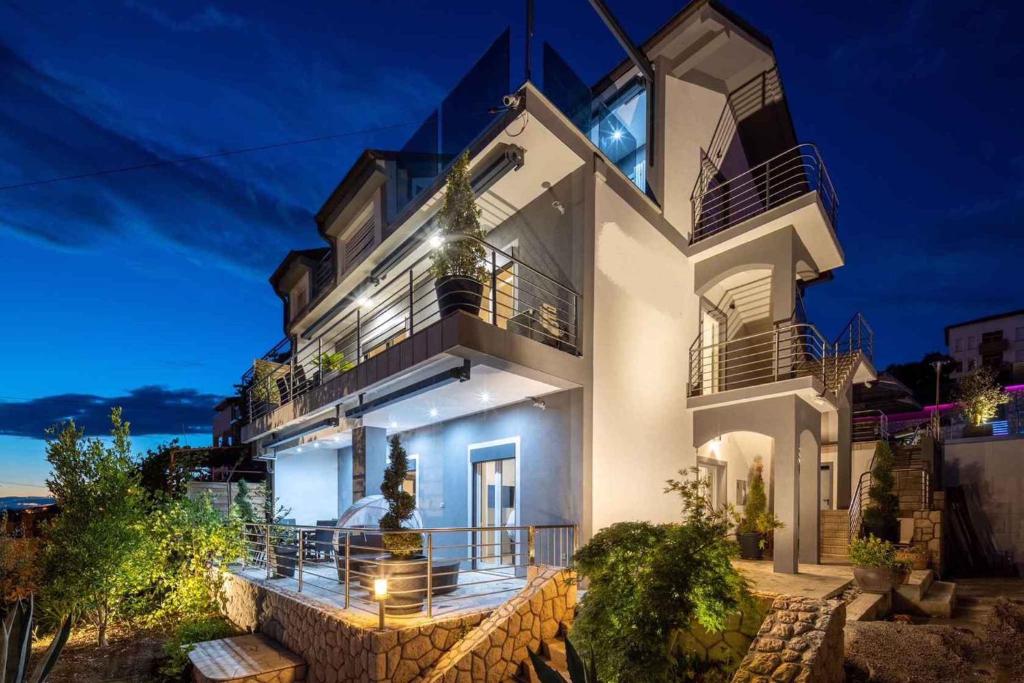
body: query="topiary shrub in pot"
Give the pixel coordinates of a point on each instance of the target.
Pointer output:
(405, 566)
(756, 522)
(881, 518)
(458, 263)
(875, 565)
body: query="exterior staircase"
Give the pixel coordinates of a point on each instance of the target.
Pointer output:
(923, 595)
(554, 655)
(834, 536)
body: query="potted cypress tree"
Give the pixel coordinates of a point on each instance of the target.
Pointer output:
(404, 566)
(881, 518)
(756, 522)
(457, 264)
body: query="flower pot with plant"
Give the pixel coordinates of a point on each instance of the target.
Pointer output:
(881, 518)
(457, 264)
(264, 383)
(875, 565)
(283, 548)
(333, 362)
(916, 557)
(757, 523)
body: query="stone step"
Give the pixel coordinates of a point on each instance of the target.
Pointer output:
(251, 657)
(917, 584)
(940, 599)
(867, 607)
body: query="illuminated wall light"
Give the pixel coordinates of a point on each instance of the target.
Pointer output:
(365, 301)
(436, 240)
(716, 446)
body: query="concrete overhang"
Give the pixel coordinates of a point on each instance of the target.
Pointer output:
(806, 214)
(809, 388)
(443, 346)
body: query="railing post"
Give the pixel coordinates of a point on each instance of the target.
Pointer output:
(411, 302)
(359, 336)
(531, 537)
(494, 288)
(430, 575)
(270, 571)
(348, 583)
(301, 551)
(775, 353)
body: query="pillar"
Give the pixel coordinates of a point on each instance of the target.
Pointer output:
(810, 496)
(785, 482)
(844, 449)
(369, 458)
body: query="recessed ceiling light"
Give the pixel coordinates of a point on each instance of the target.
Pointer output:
(485, 397)
(394, 424)
(617, 135)
(433, 412)
(365, 301)
(436, 240)
(299, 449)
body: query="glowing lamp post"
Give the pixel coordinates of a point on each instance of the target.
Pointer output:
(380, 594)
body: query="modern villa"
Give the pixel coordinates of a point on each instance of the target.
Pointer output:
(648, 243)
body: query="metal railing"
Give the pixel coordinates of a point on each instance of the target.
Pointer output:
(870, 425)
(457, 568)
(784, 177)
(746, 100)
(513, 296)
(786, 351)
(857, 336)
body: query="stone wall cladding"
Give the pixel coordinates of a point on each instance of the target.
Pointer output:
(336, 650)
(800, 641)
(496, 649)
(928, 533)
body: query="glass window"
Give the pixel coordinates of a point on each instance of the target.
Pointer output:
(620, 131)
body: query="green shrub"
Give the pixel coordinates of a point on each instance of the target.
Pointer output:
(401, 504)
(460, 216)
(876, 553)
(648, 581)
(184, 639)
(883, 506)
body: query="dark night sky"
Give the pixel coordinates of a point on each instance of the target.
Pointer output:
(148, 289)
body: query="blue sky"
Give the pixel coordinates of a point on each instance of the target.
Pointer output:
(149, 288)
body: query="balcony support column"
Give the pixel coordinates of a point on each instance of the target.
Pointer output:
(844, 449)
(369, 458)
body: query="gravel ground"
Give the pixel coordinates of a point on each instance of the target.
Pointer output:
(889, 652)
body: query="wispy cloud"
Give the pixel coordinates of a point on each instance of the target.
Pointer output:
(196, 207)
(207, 19)
(149, 409)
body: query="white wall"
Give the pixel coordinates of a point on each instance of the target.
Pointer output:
(738, 450)
(644, 317)
(307, 483)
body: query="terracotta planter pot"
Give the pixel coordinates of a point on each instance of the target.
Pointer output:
(876, 579)
(457, 293)
(750, 545)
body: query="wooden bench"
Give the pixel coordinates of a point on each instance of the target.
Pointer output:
(250, 658)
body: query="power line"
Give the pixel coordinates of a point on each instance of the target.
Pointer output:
(203, 157)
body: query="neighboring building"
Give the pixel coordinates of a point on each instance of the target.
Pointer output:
(227, 422)
(648, 241)
(995, 341)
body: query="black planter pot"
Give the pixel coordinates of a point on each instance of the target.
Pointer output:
(971, 431)
(284, 560)
(750, 545)
(885, 531)
(457, 293)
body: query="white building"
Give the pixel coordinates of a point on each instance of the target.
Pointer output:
(996, 341)
(648, 242)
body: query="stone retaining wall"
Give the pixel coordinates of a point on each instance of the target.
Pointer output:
(800, 641)
(928, 530)
(496, 649)
(335, 648)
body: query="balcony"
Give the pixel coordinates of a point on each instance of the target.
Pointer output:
(515, 298)
(721, 204)
(788, 351)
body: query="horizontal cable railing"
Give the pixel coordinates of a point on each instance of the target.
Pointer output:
(786, 351)
(870, 425)
(512, 296)
(784, 177)
(456, 568)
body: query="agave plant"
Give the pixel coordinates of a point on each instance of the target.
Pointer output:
(16, 644)
(578, 671)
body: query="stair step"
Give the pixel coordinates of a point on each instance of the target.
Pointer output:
(245, 658)
(940, 599)
(917, 585)
(867, 607)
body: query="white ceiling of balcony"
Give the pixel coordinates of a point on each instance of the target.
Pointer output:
(487, 389)
(548, 161)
